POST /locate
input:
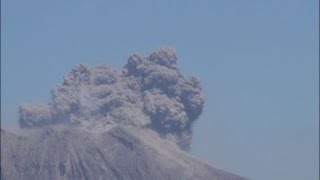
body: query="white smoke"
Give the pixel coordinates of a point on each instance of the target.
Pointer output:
(149, 92)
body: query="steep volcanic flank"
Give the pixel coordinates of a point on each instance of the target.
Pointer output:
(117, 154)
(107, 124)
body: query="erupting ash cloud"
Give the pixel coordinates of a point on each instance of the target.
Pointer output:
(149, 92)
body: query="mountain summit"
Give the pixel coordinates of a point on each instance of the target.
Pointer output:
(133, 124)
(116, 154)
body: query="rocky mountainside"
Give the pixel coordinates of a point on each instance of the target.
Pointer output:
(101, 123)
(120, 153)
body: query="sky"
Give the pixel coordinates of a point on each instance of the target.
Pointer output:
(258, 62)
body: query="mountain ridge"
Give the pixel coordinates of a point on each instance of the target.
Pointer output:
(120, 153)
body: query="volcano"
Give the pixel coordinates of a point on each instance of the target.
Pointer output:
(105, 124)
(120, 153)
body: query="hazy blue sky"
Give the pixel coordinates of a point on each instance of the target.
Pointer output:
(258, 61)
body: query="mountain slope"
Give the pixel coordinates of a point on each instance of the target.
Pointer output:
(120, 153)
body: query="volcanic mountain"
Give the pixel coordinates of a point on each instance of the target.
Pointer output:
(133, 124)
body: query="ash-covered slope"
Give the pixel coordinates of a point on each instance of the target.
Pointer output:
(106, 124)
(120, 153)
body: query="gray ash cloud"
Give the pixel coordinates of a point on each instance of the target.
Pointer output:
(149, 92)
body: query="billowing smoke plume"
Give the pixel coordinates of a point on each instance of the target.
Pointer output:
(150, 92)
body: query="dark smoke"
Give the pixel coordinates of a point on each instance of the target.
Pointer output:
(149, 92)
